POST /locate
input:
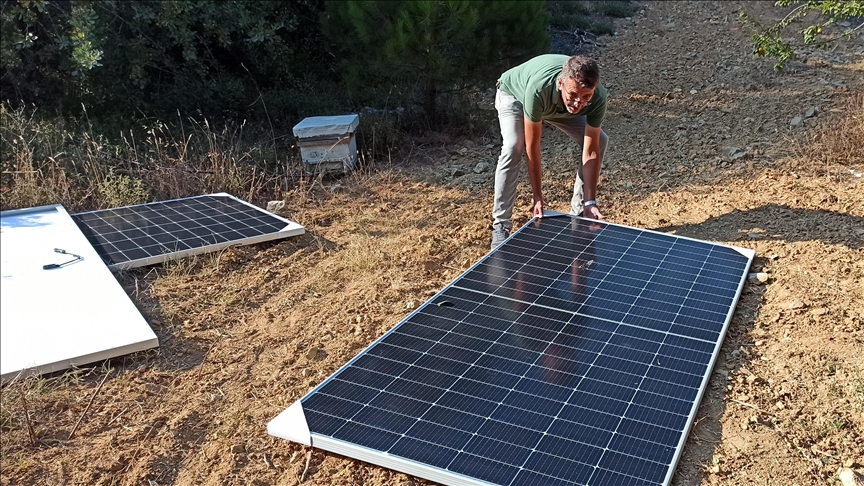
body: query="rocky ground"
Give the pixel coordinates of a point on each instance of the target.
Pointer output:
(706, 142)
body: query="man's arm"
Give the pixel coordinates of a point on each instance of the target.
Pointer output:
(533, 130)
(590, 170)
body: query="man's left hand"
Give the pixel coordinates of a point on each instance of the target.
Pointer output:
(592, 212)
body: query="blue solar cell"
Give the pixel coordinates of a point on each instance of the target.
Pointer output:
(484, 469)
(572, 354)
(367, 436)
(503, 449)
(429, 450)
(434, 433)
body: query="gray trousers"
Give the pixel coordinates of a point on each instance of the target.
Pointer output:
(511, 119)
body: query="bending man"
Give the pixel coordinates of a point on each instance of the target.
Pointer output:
(564, 92)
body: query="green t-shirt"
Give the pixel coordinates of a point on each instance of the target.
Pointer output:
(534, 84)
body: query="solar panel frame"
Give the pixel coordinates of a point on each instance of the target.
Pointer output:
(162, 226)
(291, 424)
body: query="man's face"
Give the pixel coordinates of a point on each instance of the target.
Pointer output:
(575, 97)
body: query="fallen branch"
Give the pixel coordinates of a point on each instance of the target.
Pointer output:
(88, 405)
(31, 434)
(306, 469)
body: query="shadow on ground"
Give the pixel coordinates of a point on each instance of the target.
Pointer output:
(778, 222)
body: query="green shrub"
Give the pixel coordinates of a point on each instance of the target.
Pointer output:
(601, 26)
(121, 190)
(612, 8)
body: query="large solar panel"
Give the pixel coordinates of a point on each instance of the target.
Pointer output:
(145, 234)
(576, 353)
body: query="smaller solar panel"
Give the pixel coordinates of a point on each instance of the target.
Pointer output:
(145, 234)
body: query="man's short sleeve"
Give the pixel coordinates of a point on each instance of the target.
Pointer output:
(533, 107)
(598, 112)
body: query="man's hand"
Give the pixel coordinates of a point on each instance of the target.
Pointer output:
(592, 212)
(538, 208)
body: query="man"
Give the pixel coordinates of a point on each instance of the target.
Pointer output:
(564, 92)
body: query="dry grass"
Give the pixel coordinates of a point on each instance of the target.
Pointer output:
(837, 150)
(48, 162)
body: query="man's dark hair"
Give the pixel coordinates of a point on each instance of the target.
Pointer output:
(583, 69)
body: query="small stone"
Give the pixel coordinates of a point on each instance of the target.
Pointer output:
(821, 311)
(762, 277)
(811, 112)
(737, 153)
(481, 167)
(797, 121)
(753, 236)
(457, 171)
(849, 477)
(312, 354)
(774, 257)
(274, 206)
(796, 304)
(780, 405)
(153, 388)
(694, 91)
(629, 185)
(238, 449)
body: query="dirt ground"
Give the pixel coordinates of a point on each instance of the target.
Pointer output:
(702, 145)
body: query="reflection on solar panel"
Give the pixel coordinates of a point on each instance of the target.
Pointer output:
(145, 234)
(576, 353)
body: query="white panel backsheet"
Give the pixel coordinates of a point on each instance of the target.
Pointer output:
(54, 319)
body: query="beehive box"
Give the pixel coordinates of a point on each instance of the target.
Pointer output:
(328, 143)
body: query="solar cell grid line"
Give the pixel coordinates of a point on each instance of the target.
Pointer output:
(575, 353)
(150, 233)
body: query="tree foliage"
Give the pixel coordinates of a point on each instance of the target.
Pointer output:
(769, 41)
(224, 58)
(205, 55)
(430, 46)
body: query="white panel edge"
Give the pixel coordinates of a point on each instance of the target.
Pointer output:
(396, 463)
(291, 425)
(81, 360)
